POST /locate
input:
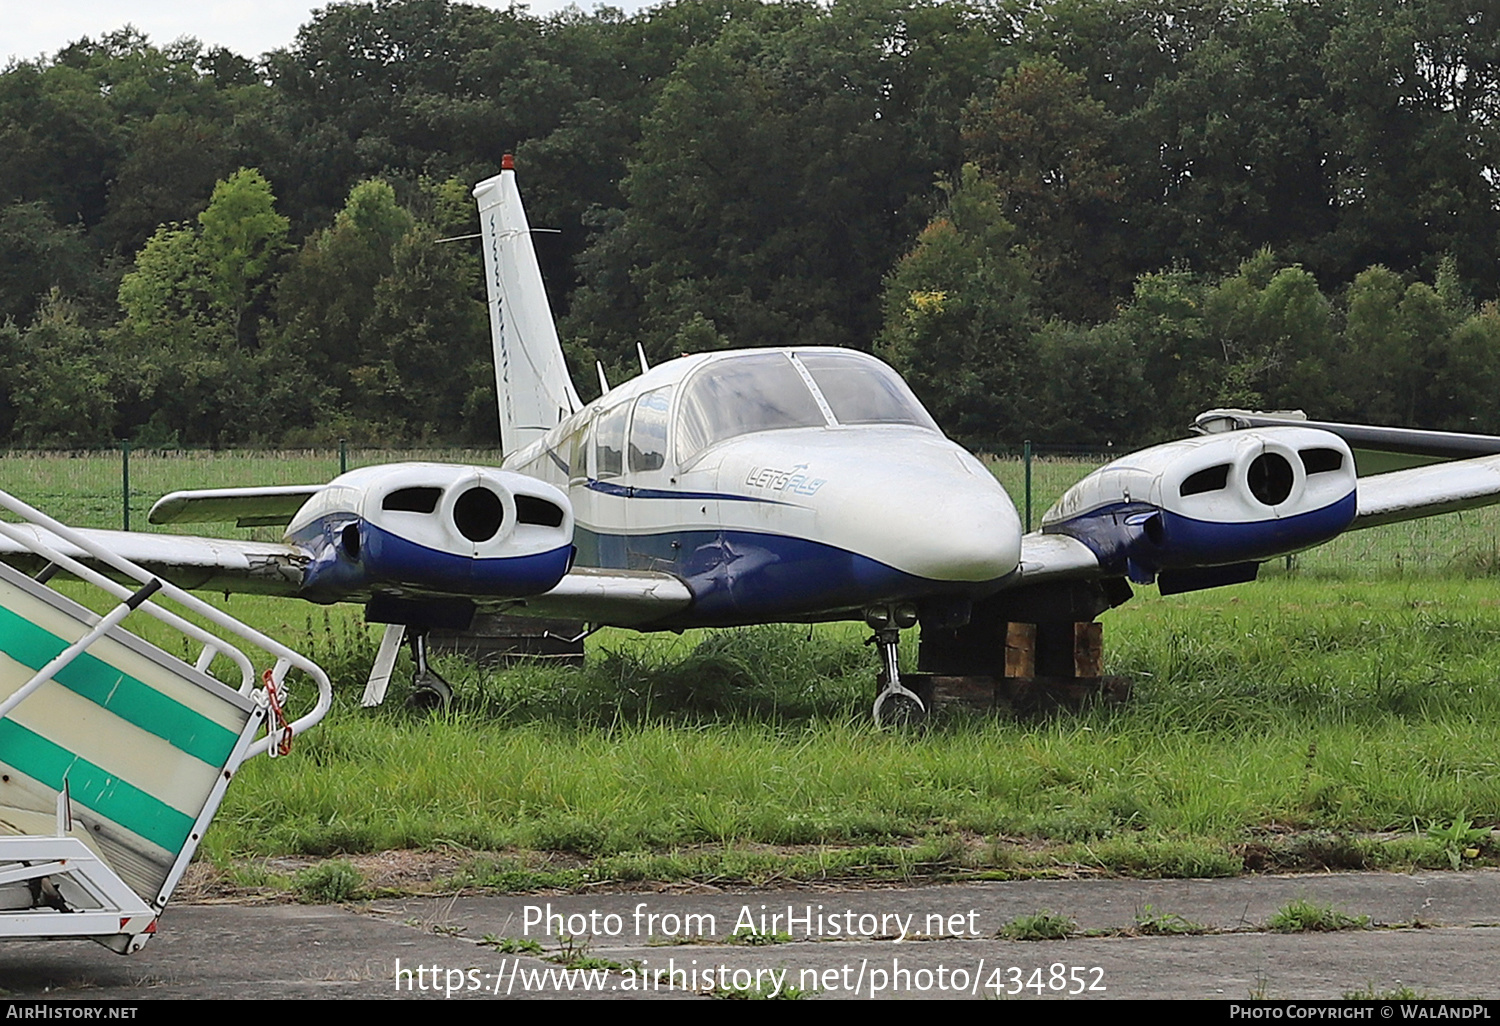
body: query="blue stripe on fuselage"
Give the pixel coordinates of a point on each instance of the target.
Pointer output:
(1188, 542)
(388, 559)
(632, 492)
(739, 577)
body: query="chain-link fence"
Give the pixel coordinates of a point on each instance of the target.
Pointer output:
(116, 488)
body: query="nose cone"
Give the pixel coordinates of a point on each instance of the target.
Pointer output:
(935, 512)
(914, 502)
(973, 535)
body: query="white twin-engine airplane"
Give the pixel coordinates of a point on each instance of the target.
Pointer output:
(767, 485)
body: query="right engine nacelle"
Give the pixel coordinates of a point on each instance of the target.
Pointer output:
(1221, 500)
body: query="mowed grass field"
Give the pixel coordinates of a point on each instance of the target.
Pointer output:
(1343, 713)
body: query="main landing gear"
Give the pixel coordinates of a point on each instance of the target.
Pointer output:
(896, 703)
(429, 689)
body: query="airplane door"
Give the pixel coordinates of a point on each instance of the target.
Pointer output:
(659, 514)
(585, 518)
(600, 505)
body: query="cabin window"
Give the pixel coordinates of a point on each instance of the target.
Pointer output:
(609, 442)
(1320, 461)
(860, 390)
(648, 430)
(576, 449)
(741, 395)
(1213, 479)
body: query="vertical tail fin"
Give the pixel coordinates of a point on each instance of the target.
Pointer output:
(531, 378)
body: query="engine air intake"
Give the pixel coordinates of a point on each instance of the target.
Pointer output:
(1320, 461)
(478, 514)
(1213, 479)
(412, 500)
(531, 510)
(1271, 478)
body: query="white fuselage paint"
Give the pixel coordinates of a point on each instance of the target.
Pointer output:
(900, 509)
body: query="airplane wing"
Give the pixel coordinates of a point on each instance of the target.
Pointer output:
(195, 564)
(1427, 491)
(1377, 449)
(272, 506)
(620, 598)
(1404, 473)
(1055, 557)
(1206, 511)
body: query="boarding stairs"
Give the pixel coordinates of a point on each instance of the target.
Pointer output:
(114, 754)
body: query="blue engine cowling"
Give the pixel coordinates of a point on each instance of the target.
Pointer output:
(433, 529)
(1225, 501)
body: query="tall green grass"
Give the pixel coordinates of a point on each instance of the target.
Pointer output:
(1283, 709)
(1306, 719)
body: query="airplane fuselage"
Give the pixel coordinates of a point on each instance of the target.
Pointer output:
(779, 485)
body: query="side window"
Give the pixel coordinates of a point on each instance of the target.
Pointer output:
(609, 442)
(648, 430)
(576, 451)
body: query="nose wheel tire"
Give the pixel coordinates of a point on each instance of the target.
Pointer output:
(898, 707)
(430, 695)
(896, 704)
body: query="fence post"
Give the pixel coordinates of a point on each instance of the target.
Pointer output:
(1026, 459)
(125, 484)
(343, 455)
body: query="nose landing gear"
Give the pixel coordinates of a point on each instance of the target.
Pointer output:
(896, 703)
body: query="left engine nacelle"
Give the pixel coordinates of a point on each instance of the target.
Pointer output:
(1224, 500)
(415, 528)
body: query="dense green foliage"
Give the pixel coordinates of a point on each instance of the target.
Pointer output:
(1076, 220)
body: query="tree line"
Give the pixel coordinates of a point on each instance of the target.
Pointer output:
(1071, 220)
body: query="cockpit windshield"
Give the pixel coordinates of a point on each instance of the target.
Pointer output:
(755, 392)
(860, 390)
(728, 398)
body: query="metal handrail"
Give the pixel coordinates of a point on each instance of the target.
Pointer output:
(285, 657)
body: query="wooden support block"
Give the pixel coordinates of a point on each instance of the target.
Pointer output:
(1048, 694)
(1020, 649)
(1073, 674)
(976, 692)
(1023, 695)
(1088, 649)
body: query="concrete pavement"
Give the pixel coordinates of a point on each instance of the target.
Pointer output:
(1437, 934)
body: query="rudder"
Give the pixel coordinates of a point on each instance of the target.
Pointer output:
(531, 377)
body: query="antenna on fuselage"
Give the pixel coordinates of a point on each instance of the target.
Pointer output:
(640, 351)
(603, 381)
